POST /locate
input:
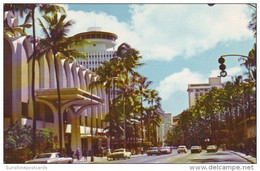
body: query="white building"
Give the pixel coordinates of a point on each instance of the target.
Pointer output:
(197, 90)
(101, 47)
(76, 96)
(165, 126)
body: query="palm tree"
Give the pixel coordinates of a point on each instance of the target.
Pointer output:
(106, 76)
(55, 41)
(154, 100)
(143, 84)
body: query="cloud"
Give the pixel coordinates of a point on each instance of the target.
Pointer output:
(231, 72)
(187, 30)
(178, 82)
(164, 31)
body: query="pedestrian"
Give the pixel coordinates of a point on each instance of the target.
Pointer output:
(142, 150)
(102, 151)
(71, 153)
(77, 153)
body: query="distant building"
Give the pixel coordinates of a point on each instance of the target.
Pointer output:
(197, 90)
(165, 126)
(176, 120)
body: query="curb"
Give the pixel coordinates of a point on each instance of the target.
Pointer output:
(98, 160)
(248, 158)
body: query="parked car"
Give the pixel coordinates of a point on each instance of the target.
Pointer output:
(212, 148)
(153, 150)
(165, 150)
(195, 149)
(182, 148)
(119, 153)
(50, 158)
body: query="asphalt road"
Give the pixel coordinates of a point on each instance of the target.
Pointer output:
(186, 158)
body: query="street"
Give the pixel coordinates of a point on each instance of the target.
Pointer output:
(223, 157)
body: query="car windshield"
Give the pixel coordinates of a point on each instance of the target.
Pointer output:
(119, 150)
(153, 148)
(195, 147)
(39, 156)
(165, 148)
(181, 147)
(211, 146)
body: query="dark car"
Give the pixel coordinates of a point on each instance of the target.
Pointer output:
(153, 150)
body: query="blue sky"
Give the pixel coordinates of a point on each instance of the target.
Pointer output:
(180, 43)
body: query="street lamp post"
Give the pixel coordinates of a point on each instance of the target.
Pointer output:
(221, 60)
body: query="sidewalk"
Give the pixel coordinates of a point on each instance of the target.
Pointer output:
(247, 157)
(98, 159)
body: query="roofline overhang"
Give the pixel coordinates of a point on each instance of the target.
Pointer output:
(67, 94)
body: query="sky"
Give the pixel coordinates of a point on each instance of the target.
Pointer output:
(180, 43)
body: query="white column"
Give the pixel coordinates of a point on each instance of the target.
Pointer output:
(75, 133)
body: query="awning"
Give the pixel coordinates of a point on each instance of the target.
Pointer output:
(68, 94)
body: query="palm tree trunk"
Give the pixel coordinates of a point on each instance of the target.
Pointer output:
(135, 136)
(59, 100)
(142, 129)
(114, 110)
(124, 106)
(110, 118)
(91, 126)
(33, 86)
(148, 127)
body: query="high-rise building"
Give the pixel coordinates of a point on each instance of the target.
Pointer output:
(100, 47)
(197, 90)
(165, 126)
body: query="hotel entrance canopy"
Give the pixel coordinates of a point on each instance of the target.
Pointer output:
(81, 97)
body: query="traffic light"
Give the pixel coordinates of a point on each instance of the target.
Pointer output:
(222, 67)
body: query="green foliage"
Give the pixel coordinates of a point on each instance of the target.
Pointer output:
(45, 140)
(218, 115)
(18, 142)
(17, 136)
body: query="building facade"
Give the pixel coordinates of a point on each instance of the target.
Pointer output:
(195, 91)
(100, 47)
(80, 104)
(165, 126)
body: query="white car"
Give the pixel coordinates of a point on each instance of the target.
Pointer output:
(182, 148)
(50, 158)
(119, 153)
(165, 150)
(212, 148)
(195, 149)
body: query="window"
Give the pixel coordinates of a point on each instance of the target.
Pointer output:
(24, 109)
(101, 122)
(197, 90)
(97, 123)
